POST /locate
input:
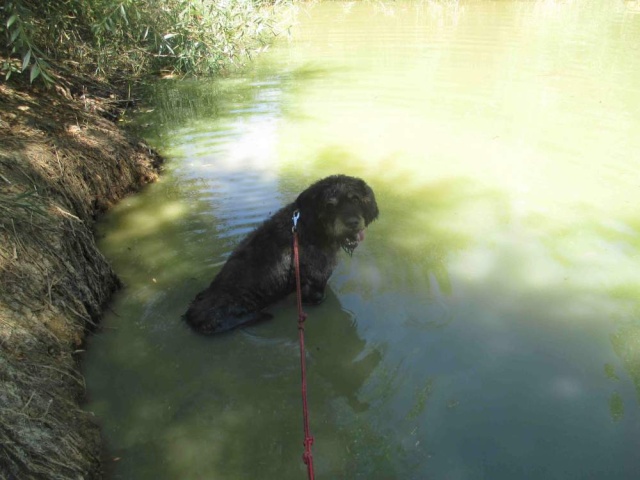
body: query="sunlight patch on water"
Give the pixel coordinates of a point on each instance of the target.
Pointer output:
(145, 222)
(252, 149)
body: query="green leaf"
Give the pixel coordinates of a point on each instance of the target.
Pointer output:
(124, 14)
(47, 78)
(12, 19)
(35, 71)
(25, 60)
(14, 35)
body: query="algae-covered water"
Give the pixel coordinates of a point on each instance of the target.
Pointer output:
(489, 325)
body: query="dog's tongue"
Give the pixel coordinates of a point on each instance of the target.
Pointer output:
(360, 235)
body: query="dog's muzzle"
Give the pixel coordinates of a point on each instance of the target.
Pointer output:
(350, 242)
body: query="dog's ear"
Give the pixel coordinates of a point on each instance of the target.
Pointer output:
(321, 197)
(308, 199)
(370, 205)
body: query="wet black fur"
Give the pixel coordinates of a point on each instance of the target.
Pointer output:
(259, 272)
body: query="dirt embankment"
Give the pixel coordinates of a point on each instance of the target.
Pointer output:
(61, 164)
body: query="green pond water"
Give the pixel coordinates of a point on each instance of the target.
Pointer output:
(489, 325)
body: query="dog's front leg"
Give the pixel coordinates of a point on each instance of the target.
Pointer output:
(316, 267)
(314, 282)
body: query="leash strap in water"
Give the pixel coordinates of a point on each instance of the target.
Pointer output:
(307, 457)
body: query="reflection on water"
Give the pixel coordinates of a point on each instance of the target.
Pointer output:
(489, 326)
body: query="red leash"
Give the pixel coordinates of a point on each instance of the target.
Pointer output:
(307, 457)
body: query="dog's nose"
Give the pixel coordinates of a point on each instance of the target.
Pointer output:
(353, 223)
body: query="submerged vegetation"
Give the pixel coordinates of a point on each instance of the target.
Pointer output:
(123, 39)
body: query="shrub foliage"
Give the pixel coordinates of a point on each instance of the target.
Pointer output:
(124, 38)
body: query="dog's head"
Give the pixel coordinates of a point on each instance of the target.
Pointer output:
(341, 207)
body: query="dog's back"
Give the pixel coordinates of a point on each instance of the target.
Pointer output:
(257, 274)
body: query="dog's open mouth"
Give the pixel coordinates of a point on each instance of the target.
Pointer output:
(350, 243)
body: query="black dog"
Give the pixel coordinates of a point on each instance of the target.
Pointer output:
(333, 214)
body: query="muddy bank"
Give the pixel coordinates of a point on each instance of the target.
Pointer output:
(62, 163)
